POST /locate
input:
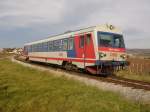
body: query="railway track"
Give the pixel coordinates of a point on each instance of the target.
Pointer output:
(113, 79)
(130, 83)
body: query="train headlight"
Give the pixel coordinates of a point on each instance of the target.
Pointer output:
(102, 54)
(123, 56)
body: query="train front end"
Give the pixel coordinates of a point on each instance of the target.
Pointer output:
(111, 52)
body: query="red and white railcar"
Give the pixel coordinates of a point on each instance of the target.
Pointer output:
(97, 49)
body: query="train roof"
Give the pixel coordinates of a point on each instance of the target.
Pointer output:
(105, 28)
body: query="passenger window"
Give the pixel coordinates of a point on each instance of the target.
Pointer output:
(45, 47)
(65, 44)
(50, 46)
(71, 44)
(29, 48)
(61, 45)
(56, 45)
(40, 47)
(37, 47)
(81, 41)
(88, 39)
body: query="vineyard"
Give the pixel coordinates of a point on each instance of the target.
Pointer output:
(139, 66)
(138, 69)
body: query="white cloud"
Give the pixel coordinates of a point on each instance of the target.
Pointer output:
(28, 12)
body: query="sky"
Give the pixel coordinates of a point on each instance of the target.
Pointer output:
(23, 21)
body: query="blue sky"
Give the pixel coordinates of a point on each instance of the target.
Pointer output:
(24, 21)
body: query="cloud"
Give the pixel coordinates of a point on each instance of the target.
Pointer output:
(26, 13)
(42, 18)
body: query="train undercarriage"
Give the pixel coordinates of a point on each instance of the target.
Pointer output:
(103, 69)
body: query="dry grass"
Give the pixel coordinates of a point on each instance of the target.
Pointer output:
(139, 69)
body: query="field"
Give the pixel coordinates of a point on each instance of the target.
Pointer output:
(23, 89)
(140, 53)
(4, 55)
(139, 69)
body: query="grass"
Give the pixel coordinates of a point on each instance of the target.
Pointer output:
(4, 55)
(135, 76)
(23, 89)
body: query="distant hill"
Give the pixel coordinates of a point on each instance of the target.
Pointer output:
(139, 52)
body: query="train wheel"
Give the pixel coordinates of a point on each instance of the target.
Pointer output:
(69, 66)
(66, 65)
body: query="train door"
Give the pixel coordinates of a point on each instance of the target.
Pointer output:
(89, 47)
(85, 47)
(71, 48)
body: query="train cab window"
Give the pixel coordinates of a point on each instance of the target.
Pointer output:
(71, 44)
(118, 41)
(81, 41)
(88, 39)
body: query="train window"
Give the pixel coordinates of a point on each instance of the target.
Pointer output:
(81, 41)
(65, 44)
(57, 44)
(105, 40)
(37, 47)
(61, 45)
(71, 44)
(110, 40)
(45, 46)
(88, 39)
(40, 47)
(50, 45)
(118, 41)
(29, 49)
(33, 48)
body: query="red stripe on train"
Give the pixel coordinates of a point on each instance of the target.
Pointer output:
(65, 59)
(111, 49)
